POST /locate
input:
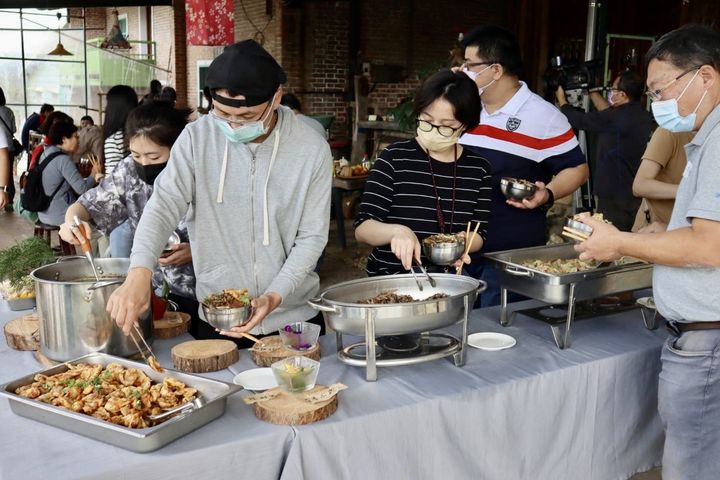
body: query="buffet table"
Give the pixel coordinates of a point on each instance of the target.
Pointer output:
(533, 411)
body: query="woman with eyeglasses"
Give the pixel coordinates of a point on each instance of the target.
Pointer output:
(429, 184)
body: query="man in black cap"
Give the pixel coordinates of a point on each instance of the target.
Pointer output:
(255, 184)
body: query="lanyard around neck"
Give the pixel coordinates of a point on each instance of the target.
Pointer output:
(438, 206)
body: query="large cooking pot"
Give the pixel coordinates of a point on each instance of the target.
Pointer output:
(71, 309)
(343, 314)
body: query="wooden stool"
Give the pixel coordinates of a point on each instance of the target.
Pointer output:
(43, 230)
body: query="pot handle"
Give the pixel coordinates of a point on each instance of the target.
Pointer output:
(69, 257)
(316, 303)
(103, 284)
(519, 273)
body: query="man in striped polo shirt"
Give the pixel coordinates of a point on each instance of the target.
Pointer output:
(522, 136)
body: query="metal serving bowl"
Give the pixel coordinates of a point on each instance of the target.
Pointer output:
(445, 253)
(172, 241)
(579, 226)
(343, 314)
(226, 318)
(514, 189)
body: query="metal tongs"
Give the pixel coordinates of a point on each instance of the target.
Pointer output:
(184, 408)
(152, 359)
(432, 281)
(85, 246)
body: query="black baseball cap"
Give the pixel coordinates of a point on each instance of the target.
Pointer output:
(247, 68)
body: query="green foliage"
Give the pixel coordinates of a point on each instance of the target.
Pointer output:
(22, 258)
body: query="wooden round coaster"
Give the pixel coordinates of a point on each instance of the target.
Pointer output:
(172, 324)
(265, 358)
(291, 409)
(198, 356)
(23, 333)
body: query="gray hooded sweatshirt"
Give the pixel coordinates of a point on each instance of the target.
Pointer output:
(255, 220)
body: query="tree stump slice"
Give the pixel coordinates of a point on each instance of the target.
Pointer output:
(173, 324)
(291, 409)
(200, 356)
(267, 358)
(23, 333)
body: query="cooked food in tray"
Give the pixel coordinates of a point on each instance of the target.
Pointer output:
(228, 298)
(392, 297)
(559, 267)
(441, 238)
(124, 396)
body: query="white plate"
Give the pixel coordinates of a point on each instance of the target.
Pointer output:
(491, 341)
(256, 379)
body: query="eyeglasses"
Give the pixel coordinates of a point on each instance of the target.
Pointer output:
(443, 130)
(469, 65)
(656, 95)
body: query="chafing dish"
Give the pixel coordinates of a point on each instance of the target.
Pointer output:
(345, 315)
(213, 392)
(622, 276)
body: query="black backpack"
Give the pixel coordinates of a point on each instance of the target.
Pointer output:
(32, 196)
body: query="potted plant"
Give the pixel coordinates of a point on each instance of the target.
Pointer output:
(16, 263)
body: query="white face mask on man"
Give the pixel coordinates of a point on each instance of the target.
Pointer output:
(473, 76)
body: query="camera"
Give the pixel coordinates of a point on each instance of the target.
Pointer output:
(574, 76)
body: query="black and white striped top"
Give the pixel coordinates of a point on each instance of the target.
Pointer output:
(400, 190)
(114, 150)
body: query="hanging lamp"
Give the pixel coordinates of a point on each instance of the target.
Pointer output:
(59, 50)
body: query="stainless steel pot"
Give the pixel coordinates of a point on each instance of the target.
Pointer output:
(343, 314)
(71, 309)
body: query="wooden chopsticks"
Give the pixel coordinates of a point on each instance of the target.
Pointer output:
(468, 243)
(574, 234)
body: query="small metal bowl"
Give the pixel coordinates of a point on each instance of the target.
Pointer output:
(579, 226)
(514, 189)
(172, 241)
(444, 253)
(17, 304)
(226, 318)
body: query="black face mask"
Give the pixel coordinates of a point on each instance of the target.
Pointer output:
(148, 173)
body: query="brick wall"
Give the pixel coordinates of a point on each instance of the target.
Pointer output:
(252, 21)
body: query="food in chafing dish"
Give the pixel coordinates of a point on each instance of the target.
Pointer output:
(559, 267)
(228, 298)
(441, 238)
(392, 297)
(124, 396)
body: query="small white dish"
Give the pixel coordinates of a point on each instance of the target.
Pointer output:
(491, 341)
(257, 379)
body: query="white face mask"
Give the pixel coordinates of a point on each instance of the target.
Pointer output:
(667, 115)
(473, 76)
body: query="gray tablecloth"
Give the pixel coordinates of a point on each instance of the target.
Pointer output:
(236, 445)
(530, 412)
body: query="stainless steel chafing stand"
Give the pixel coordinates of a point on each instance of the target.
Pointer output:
(565, 289)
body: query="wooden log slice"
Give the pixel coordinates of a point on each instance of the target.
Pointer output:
(23, 333)
(173, 324)
(291, 409)
(267, 358)
(199, 356)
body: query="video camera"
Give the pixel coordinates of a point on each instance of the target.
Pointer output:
(574, 76)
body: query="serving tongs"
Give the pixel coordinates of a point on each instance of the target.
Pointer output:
(85, 246)
(431, 280)
(152, 359)
(180, 409)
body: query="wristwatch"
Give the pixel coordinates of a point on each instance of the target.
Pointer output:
(550, 200)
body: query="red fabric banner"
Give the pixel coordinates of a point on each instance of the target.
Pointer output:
(209, 22)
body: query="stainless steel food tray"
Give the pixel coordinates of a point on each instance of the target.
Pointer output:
(567, 288)
(141, 440)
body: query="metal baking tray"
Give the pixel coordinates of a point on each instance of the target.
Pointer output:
(141, 440)
(550, 288)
